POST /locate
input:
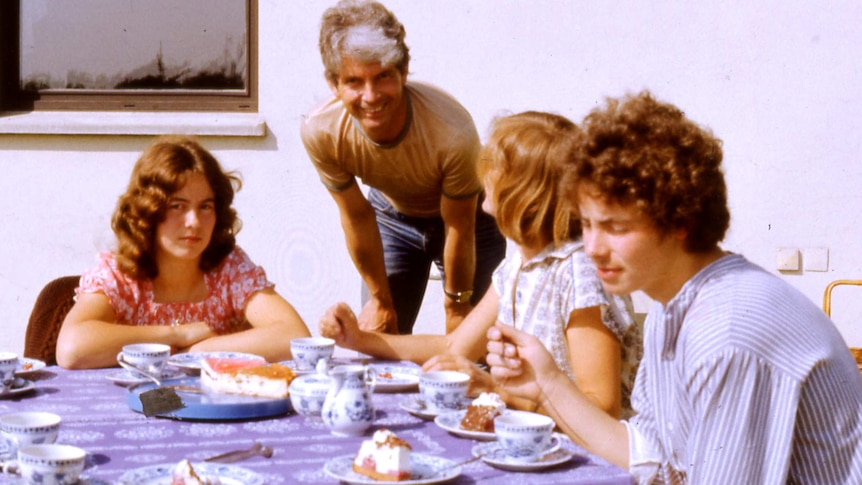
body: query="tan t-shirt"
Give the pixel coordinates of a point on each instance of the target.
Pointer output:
(435, 156)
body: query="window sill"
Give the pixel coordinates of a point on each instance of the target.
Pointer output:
(137, 123)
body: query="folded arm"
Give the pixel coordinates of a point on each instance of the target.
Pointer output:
(91, 337)
(274, 322)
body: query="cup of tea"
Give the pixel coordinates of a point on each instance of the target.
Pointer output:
(444, 390)
(307, 351)
(8, 366)
(147, 357)
(525, 437)
(28, 428)
(51, 464)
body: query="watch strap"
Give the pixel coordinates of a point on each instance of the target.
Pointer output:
(459, 296)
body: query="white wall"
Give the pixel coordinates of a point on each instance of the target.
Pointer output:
(777, 81)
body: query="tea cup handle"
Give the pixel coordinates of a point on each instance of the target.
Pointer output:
(11, 443)
(555, 443)
(10, 466)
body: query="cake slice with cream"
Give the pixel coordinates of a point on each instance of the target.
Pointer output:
(384, 457)
(249, 377)
(482, 411)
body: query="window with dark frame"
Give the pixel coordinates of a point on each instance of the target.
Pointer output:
(128, 55)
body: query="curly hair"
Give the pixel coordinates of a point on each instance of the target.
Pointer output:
(647, 153)
(365, 30)
(161, 171)
(524, 158)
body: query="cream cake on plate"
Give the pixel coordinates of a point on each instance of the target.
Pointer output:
(384, 457)
(482, 411)
(249, 377)
(185, 474)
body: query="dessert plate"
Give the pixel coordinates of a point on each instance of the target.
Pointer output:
(123, 377)
(211, 406)
(424, 469)
(395, 378)
(451, 422)
(191, 361)
(416, 406)
(162, 474)
(20, 386)
(492, 454)
(26, 365)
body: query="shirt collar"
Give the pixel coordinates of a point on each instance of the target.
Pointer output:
(552, 252)
(674, 312)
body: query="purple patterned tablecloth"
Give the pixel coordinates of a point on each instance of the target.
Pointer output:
(96, 417)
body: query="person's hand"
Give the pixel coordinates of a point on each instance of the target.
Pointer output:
(189, 334)
(339, 323)
(519, 362)
(480, 381)
(377, 317)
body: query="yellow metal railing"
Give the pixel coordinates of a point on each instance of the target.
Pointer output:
(827, 295)
(827, 307)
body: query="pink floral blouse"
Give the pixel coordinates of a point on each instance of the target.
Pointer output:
(229, 287)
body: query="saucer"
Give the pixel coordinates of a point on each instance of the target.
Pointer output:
(451, 422)
(158, 474)
(294, 366)
(415, 405)
(20, 386)
(424, 470)
(123, 377)
(26, 365)
(395, 378)
(494, 455)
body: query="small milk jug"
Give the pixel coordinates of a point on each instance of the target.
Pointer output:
(348, 410)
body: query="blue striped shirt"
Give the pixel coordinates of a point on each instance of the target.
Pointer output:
(744, 380)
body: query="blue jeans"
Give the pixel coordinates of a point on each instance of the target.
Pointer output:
(411, 244)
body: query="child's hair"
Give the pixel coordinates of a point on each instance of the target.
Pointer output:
(647, 153)
(161, 171)
(524, 158)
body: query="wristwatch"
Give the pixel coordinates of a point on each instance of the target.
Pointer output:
(459, 296)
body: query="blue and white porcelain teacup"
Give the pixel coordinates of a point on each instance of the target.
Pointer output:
(148, 357)
(8, 366)
(51, 464)
(443, 390)
(525, 437)
(307, 351)
(28, 428)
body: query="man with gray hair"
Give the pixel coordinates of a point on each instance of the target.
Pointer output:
(415, 146)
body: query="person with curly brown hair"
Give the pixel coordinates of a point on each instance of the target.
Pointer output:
(177, 276)
(743, 378)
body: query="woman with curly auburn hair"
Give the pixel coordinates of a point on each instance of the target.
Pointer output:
(743, 378)
(177, 276)
(548, 287)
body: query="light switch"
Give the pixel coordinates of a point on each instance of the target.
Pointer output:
(815, 259)
(788, 259)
